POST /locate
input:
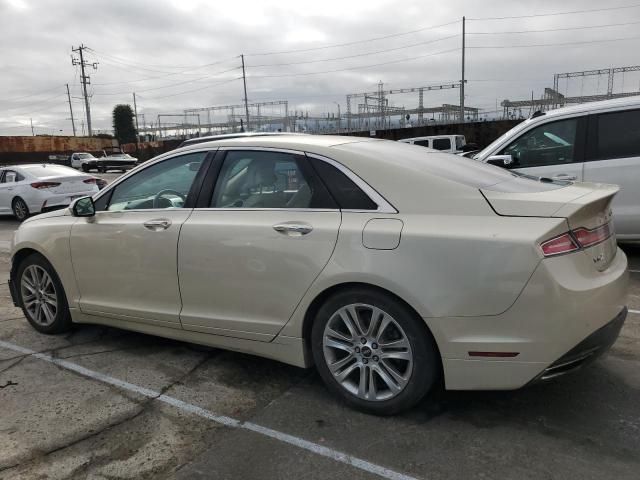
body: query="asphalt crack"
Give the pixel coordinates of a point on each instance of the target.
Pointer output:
(143, 406)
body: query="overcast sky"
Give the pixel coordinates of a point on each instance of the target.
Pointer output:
(178, 54)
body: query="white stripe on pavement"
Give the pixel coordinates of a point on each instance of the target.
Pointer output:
(634, 311)
(221, 419)
(5, 246)
(634, 271)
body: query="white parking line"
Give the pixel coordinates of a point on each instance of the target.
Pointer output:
(634, 311)
(221, 419)
(634, 271)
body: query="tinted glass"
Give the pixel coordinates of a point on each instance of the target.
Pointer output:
(618, 135)
(346, 193)
(459, 143)
(163, 185)
(441, 143)
(549, 144)
(255, 179)
(422, 143)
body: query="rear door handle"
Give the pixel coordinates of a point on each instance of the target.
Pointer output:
(564, 176)
(158, 224)
(293, 229)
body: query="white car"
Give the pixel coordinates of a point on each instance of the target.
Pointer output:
(385, 265)
(591, 142)
(30, 189)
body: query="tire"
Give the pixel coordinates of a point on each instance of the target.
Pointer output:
(417, 370)
(20, 209)
(47, 309)
(84, 167)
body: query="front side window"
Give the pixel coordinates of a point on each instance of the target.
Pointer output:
(618, 135)
(258, 179)
(162, 185)
(549, 144)
(441, 144)
(460, 143)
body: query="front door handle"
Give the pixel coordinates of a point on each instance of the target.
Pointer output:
(293, 229)
(158, 224)
(564, 176)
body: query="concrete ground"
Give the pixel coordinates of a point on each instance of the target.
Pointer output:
(68, 420)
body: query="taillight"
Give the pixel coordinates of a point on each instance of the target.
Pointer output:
(91, 180)
(561, 244)
(41, 185)
(587, 238)
(575, 240)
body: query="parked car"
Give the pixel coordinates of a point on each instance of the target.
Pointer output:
(29, 189)
(83, 161)
(339, 252)
(443, 143)
(591, 142)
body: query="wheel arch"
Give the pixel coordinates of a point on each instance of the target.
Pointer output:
(319, 300)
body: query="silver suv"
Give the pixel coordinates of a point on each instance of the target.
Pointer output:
(593, 142)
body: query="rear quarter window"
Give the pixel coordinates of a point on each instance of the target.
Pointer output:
(617, 135)
(344, 191)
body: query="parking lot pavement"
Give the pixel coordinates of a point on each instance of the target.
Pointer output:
(103, 403)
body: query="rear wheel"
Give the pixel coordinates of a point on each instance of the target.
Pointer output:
(374, 352)
(20, 209)
(41, 296)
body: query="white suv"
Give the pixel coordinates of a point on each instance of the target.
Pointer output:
(592, 142)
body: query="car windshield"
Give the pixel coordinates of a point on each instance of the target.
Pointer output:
(42, 171)
(85, 155)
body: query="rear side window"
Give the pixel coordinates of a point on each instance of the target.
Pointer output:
(441, 143)
(422, 143)
(618, 135)
(345, 192)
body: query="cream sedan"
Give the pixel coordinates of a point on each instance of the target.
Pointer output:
(386, 266)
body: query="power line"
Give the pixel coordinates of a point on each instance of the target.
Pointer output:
(357, 55)
(557, 44)
(433, 27)
(206, 77)
(586, 27)
(185, 68)
(32, 94)
(355, 68)
(622, 7)
(190, 91)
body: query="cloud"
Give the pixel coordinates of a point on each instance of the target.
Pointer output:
(159, 48)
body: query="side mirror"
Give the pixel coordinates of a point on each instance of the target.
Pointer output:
(83, 207)
(505, 161)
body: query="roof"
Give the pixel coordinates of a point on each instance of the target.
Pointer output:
(633, 101)
(291, 141)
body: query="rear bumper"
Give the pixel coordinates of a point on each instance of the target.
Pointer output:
(586, 351)
(563, 315)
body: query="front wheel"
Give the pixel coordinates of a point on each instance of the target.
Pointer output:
(84, 167)
(20, 209)
(374, 352)
(41, 296)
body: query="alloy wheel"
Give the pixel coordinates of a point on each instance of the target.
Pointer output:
(39, 295)
(20, 209)
(367, 352)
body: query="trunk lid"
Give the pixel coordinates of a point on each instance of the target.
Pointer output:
(70, 184)
(584, 205)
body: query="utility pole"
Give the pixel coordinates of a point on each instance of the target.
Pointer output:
(73, 124)
(246, 103)
(32, 133)
(135, 114)
(85, 79)
(462, 83)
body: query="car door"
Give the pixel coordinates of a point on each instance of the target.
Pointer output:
(9, 188)
(613, 156)
(554, 150)
(262, 236)
(125, 257)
